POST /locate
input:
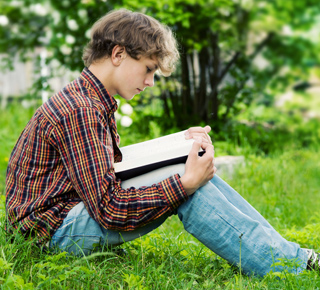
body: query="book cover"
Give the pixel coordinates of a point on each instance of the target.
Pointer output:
(140, 158)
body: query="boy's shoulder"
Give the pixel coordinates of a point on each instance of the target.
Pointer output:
(75, 95)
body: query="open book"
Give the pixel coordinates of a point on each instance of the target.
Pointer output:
(140, 158)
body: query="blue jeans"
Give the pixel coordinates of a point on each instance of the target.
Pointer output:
(215, 214)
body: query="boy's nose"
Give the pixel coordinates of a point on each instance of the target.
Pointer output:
(150, 81)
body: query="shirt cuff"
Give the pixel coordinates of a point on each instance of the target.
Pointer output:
(173, 191)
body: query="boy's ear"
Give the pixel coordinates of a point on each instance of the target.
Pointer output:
(118, 55)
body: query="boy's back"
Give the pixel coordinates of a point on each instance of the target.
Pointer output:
(38, 173)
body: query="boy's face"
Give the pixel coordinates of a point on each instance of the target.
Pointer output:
(133, 76)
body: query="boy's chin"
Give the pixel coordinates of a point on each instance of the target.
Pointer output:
(128, 97)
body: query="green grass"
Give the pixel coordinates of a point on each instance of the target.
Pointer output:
(12, 121)
(284, 187)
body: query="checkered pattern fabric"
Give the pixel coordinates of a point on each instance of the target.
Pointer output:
(66, 154)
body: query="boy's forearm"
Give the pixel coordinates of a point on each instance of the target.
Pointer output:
(128, 209)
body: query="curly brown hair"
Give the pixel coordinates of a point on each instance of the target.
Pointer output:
(140, 34)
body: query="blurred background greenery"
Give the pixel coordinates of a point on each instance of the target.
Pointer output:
(250, 69)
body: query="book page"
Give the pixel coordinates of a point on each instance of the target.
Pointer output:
(156, 146)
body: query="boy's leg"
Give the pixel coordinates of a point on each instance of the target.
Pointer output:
(80, 234)
(218, 216)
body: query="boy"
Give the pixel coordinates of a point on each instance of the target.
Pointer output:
(61, 187)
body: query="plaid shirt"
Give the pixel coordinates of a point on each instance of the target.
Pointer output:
(65, 155)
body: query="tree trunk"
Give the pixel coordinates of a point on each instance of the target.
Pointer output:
(202, 91)
(185, 94)
(214, 78)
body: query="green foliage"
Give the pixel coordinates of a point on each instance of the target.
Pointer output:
(221, 42)
(52, 273)
(134, 281)
(263, 138)
(283, 186)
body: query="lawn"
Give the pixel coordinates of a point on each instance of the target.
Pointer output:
(283, 186)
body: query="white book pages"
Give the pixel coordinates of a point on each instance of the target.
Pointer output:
(153, 151)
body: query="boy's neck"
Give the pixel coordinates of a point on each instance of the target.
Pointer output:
(102, 69)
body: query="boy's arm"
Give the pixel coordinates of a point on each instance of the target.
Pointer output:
(86, 149)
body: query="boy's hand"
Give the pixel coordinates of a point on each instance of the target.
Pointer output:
(199, 132)
(199, 170)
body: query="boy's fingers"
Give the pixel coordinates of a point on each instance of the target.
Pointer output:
(203, 135)
(207, 146)
(195, 129)
(199, 132)
(195, 148)
(207, 128)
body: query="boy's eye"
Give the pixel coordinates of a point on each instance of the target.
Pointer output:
(148, 70)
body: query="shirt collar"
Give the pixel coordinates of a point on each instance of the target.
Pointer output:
(108, 101)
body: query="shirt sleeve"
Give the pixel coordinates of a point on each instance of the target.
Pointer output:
(85, 144)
